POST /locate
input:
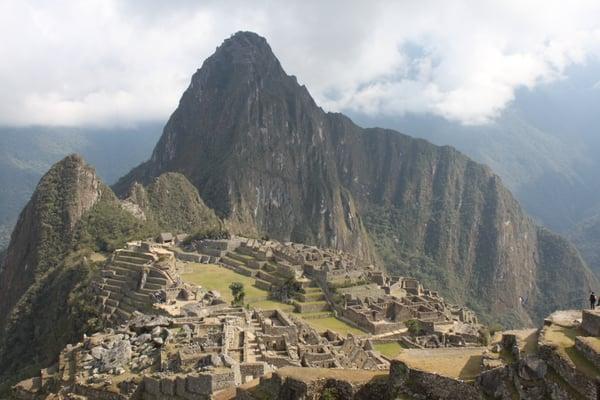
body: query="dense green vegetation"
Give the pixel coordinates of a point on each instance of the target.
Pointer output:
(172, 203)
(108, 227)
(57, 309)
(392, 239)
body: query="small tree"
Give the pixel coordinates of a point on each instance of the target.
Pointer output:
(484, 336)
(414, 327)
(238, 293)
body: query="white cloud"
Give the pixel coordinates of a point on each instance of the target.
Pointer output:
(108, 62)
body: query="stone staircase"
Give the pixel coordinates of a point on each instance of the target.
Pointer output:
(120, 294)
(253, 352)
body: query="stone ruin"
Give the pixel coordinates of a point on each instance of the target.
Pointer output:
(332, 282)
(137, 277)
(386, 304)
(170, 339)
(154, 356)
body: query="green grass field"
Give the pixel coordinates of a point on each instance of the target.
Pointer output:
(216, 277)
(390, 350)
(322, 324)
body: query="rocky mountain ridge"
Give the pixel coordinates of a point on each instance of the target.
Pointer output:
(269, 161)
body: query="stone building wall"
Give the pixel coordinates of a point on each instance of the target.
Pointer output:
(584, 345)
(591, 322)
(588, 388)
(403, 379)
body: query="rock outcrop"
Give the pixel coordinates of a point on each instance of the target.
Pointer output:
(268, 160)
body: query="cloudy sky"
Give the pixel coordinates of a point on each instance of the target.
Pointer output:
(115, 62)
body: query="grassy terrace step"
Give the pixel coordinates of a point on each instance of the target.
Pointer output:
(135, 255)
(112, 288)
(134, 260)
(231, 262)
(265, 276)
(264, 285)
(127, 265)
(130, 308)
(111, 302)
(123, 271)
(311, 307)
(317, 315)
(146, 291)
(157, 280)
(117, 282)
(240, 269)
(153, 286)
(116, 296)
(239, 257)
(312, 289)
(133, 302)
(564, 339)
(143, 297)
(309, 297)
(269, 267)
(122, 314)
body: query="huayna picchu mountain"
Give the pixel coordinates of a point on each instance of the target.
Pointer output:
(271, 162)
(72, 218)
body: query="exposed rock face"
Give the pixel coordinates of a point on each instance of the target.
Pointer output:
(269, 160)
(44, 231)
(240, 132)
(586, 236)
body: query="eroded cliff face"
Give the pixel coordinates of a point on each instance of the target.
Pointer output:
(268, 160)
(586, 235)
(45, 229)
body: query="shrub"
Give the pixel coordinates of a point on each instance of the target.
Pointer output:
(208, 233)
(414, 327)
(238, 293)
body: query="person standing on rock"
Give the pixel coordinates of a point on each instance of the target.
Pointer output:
(592, 300)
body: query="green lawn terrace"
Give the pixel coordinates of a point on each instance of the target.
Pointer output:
(323, 283)
(218, 278)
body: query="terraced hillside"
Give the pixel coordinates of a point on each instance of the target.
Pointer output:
(121, 293)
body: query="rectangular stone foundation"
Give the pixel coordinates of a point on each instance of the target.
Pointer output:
(591, 322)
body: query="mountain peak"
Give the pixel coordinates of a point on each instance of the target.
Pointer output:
(46, 225)
(243, 57)
(246, 47)
(247, 39)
